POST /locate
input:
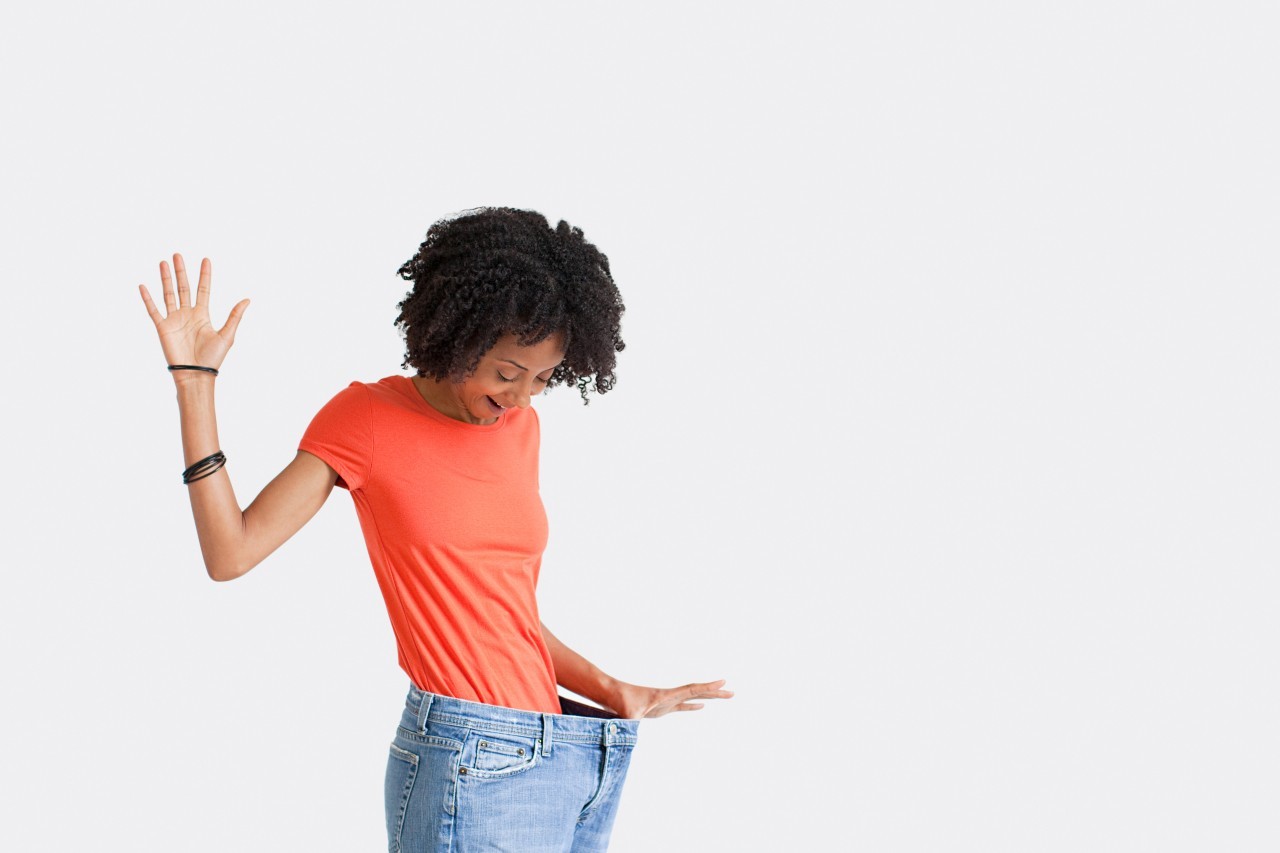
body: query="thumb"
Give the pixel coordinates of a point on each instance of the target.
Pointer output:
(233, 320)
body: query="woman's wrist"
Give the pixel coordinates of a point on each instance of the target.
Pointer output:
(599, 687)
(192, 374)
(194, 390)
(611, 692)
(196, 377)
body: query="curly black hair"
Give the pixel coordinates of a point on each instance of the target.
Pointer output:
(492, 271)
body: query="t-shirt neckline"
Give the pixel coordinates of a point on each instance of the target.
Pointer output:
(435, 414)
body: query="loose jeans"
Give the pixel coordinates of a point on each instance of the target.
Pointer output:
(463, 776)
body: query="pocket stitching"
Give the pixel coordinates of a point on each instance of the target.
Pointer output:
(406, 755)
(411, 759)
(506, 748)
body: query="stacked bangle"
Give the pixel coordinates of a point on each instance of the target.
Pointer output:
(204, 467)
(212, 370)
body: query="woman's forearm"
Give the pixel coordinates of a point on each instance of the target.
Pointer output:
(576, 673)
(630, 701)
(219, 520)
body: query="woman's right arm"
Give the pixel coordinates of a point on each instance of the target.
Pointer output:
(232, 541)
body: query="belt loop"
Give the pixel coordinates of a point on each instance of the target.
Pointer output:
(546, 735)
(424, 708)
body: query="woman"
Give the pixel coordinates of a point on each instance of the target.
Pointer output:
(443, 470)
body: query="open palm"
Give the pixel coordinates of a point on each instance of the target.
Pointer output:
(634, 702)
(186, 334)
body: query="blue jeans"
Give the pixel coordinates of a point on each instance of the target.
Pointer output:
(464, 776)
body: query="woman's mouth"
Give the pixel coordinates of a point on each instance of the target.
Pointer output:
(494, 405)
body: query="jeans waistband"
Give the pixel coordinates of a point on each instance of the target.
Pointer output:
(560, 727)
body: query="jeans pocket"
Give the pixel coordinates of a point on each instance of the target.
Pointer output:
(490, 755)
(402, 770)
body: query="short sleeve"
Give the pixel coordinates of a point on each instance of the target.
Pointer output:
(341, 434)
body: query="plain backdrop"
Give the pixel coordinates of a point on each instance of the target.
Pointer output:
(945, 430)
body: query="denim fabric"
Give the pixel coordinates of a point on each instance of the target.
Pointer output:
(464, 776)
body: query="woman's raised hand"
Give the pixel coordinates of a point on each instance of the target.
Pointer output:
(186, 335)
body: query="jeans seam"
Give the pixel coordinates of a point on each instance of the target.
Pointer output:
(412, 761)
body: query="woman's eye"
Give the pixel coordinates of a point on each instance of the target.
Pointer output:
(504, 378)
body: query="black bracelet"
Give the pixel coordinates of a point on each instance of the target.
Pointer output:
(193, 367)
(204, 472)
(204, 467)
(221, 462)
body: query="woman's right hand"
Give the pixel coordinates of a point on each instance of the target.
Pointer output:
(186, 335)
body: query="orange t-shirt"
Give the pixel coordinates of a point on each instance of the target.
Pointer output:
(455, 529)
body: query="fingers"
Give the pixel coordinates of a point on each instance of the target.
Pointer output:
(203, 288)
(156, 316)
(166, 284)
(663, 710)
(707, 690)
(184, 289)
(228, 329)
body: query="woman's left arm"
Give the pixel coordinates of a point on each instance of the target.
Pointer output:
(630, 701)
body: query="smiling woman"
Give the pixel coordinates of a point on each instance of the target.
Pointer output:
(486, 754)
(501, 380)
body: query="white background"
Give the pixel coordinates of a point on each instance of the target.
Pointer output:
(945, 430)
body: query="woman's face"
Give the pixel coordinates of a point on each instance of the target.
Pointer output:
(508, 376)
